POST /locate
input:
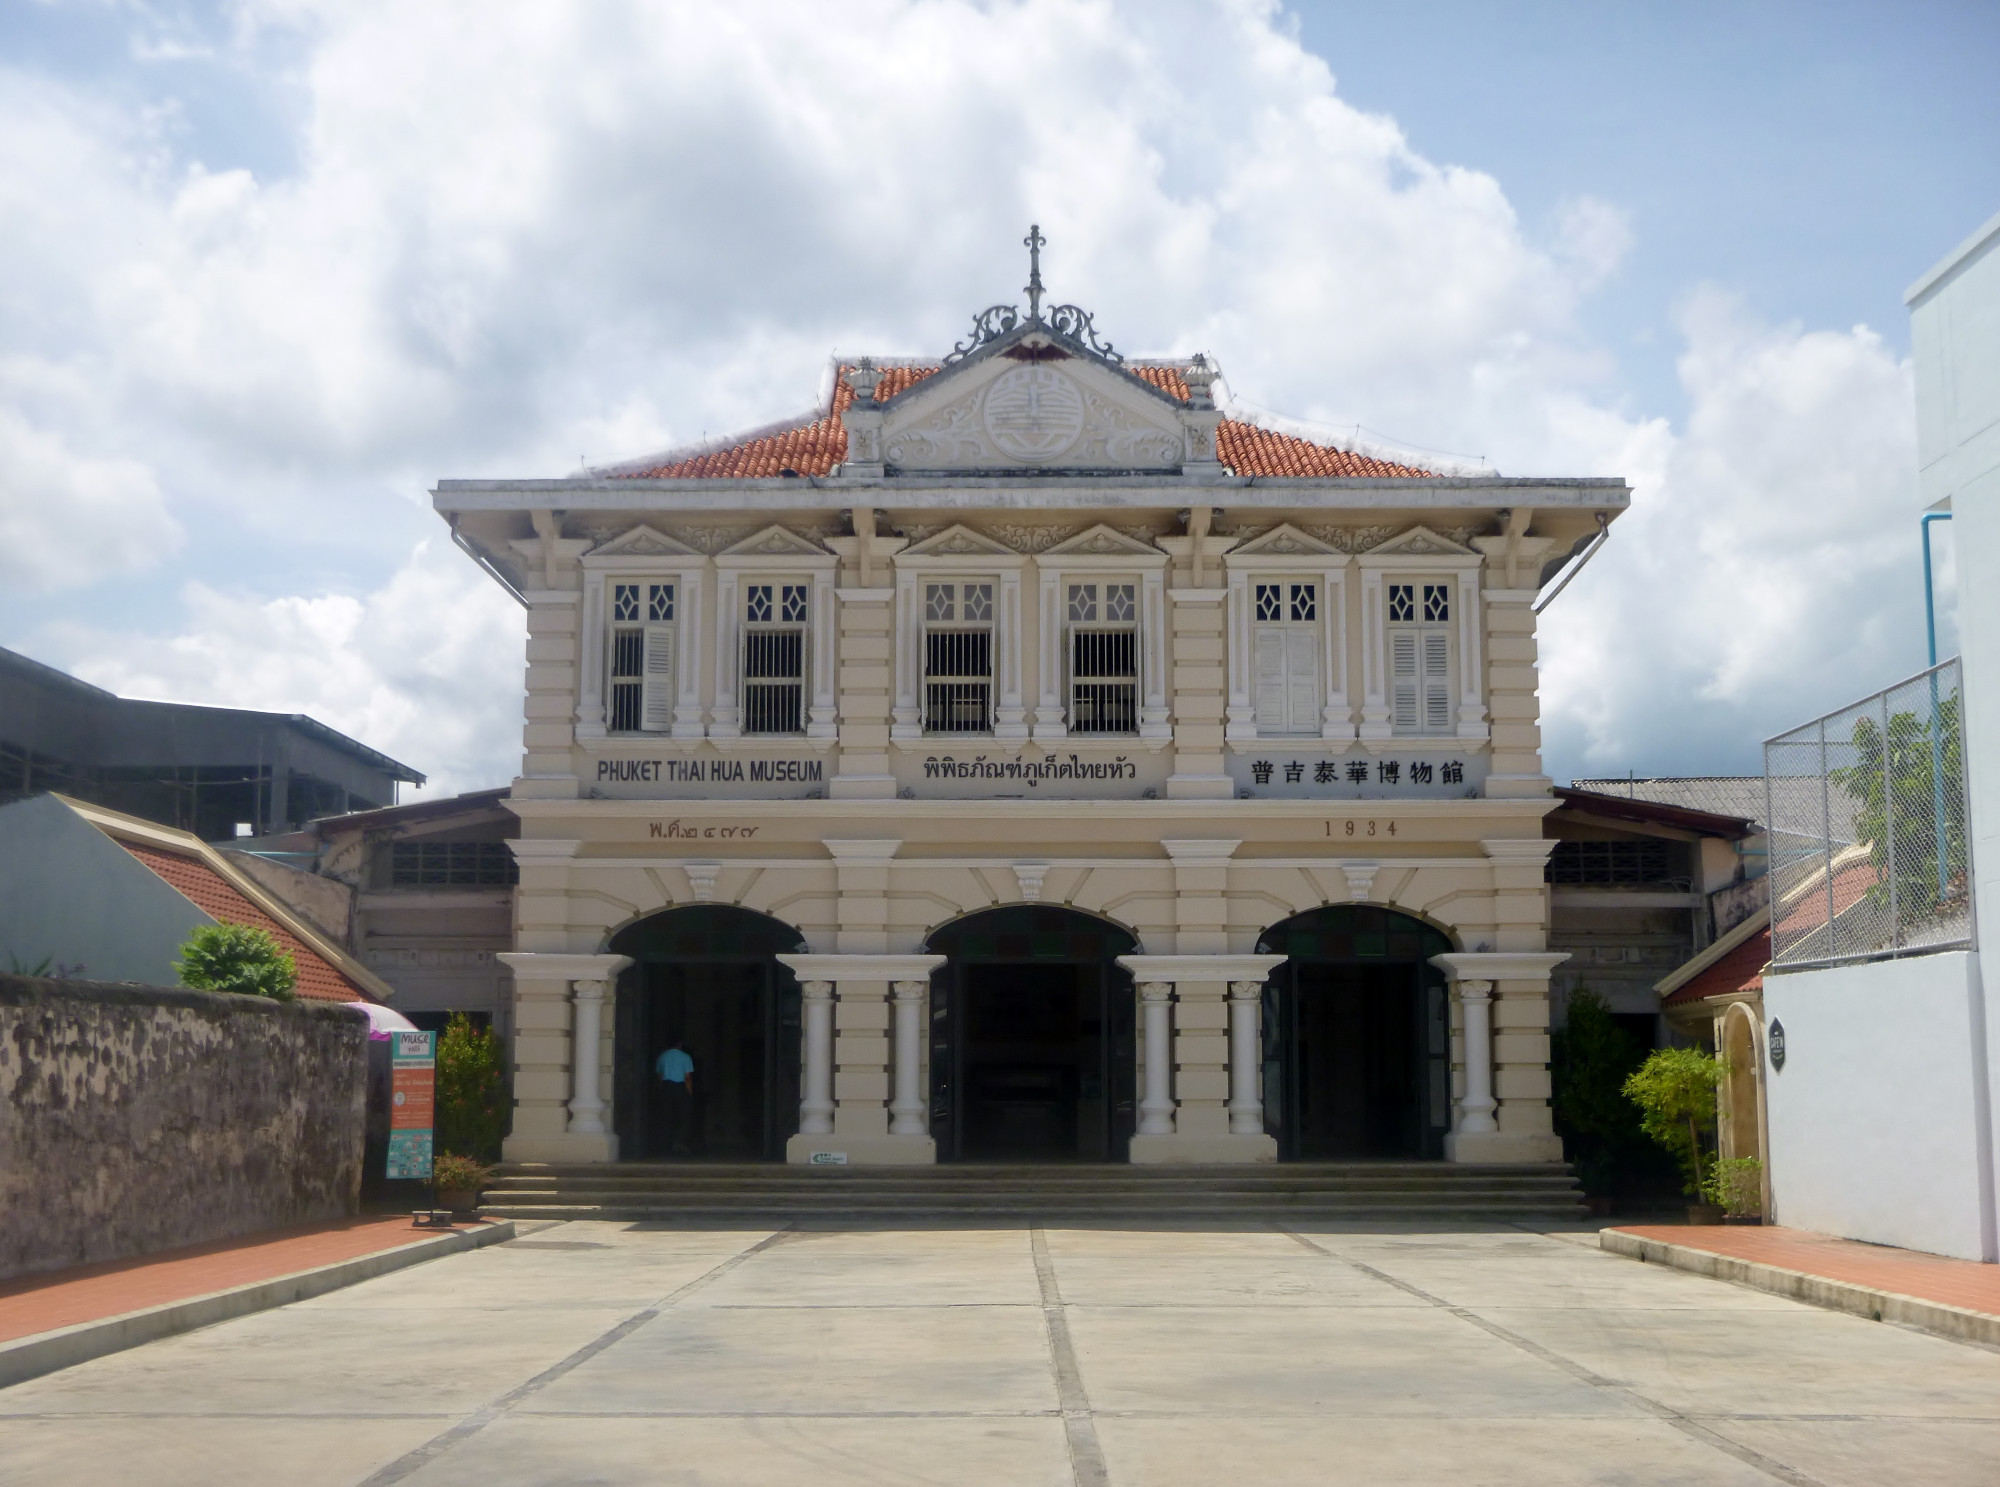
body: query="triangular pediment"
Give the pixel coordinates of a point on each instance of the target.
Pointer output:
(1028, 402)
(957, 541)
(642, 541)
(1285, 541)
(1420, 541)
(774, 542)
(1102, 541)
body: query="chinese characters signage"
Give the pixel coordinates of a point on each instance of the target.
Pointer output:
(412, 1097)
(1276, 774)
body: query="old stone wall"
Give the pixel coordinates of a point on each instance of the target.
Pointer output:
(138, 1118)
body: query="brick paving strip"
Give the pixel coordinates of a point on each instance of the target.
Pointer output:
(60, 1317)
(1959, 1299)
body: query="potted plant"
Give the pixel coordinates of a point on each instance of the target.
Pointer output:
(458, 1181)
(1737, 1186)
(1675, 1092)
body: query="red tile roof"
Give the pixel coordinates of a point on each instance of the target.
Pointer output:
(319, 979)
(1742, 969)
(814, 448)
(1850, 886)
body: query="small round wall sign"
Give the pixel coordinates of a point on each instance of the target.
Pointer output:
(1776, 1039)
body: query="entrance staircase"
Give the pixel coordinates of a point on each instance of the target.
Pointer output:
(1429, 1192)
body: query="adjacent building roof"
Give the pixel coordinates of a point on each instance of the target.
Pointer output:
(814, 444)
(1734, 969)
(208, 880)
(413, 813)
(1645, 812)
(1741, 796)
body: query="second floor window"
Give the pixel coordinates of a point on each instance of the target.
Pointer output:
(958, 657)
(1285, 655)
(642, 657)
(1103, 657)
(1420, 658)
(774, 657)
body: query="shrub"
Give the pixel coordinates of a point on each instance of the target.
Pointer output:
(1675, 1092)
(237, 958)
(1736, 1185)
(471, 1094)
(456, 1174)
(1591, 1057)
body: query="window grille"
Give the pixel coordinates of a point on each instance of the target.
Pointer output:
(1420, 657)
(1285, 652)
(1615, 865)
(958, 657)
(774, 658)
(452, 865)
(642, 658)
(1104, 658)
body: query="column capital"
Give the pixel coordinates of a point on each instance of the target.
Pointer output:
(911, 991)
(589, 990)
(1245, 991)
(1200, 967)
(1503, 965)
(862, 967)
(1156, 991)
(816, 991)
(541, 966)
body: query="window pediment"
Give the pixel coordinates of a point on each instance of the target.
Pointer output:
(1420, 542)
(641, 541)
(956, 541)
(1102, 541)
(1285, 541)
(774, 541)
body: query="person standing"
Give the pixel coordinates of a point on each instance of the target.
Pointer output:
(676, 1070)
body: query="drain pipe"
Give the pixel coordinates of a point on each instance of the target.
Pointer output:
(1603, 532)
(1930, 591)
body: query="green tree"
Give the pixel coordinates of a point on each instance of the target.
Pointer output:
(471, 1093)
(237, 958)
(1913, 769)
(1591, 1057)
(1675, 1092)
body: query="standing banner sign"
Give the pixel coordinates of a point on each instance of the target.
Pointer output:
(412, 1099)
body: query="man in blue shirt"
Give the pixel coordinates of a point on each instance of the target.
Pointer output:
(676, 1069)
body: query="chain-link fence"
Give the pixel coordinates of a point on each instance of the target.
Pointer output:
(1866, 808)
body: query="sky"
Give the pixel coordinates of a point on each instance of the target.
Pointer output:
(268, 270)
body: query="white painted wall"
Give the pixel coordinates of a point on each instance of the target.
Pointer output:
(1875, 1118)
(1955, 336)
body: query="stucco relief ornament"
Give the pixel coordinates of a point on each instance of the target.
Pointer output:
(953, 435)
(1032, 540)
(960, 542)
(710, 539)
(1119, 438)
(1034, 413)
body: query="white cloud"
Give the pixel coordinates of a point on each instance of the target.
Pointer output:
(517, 235)
(1768, 570)
(427, 668)
(67, 518)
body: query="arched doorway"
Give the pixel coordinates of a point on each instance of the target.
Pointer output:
(1357, 1037)
(1742, 1133)
(707, 973)
(1032, 1031)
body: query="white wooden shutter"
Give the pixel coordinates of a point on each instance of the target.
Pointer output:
(1437, 681)
(1403, 681)
(656, 713)
(1270, 677)
(1302, 680)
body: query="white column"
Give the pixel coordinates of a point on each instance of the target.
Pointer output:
(908, 1109)
(688, 660)
(1009, 715)
(728, 623)
(1475, 1108)
(824, 643)
(1242, 715)
(1153, 643)
(816, 1100)
(1156, 1110)
(1246, 1108)
(586, 1048)
(906, 717)
(1049, 713)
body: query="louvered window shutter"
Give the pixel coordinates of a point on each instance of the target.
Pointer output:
(1437, 682)
(1403, 681)
(1270, 657)
(1302, 680)
(657, 713)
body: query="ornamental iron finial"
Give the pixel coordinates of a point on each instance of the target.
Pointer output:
(1033, 242)
(1065, 322)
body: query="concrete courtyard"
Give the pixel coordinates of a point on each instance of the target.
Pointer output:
(1156, 1357)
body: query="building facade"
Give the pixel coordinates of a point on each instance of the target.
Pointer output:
(1020, 758)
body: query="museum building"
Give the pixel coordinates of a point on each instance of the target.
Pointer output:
(1020, 758)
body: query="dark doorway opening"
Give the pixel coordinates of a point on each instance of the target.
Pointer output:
(707, 975)
(1357, 1049)
(1032, 1038)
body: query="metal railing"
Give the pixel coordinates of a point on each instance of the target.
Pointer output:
(1867, 814)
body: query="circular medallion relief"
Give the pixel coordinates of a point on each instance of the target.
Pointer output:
(1033, 413)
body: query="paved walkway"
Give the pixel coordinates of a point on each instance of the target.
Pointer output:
(1902, 1272)
(1136, 1357)
(62, 1298)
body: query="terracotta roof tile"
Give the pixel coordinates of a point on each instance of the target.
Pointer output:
(217, 897)
(814, 448)
(1742, 969)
